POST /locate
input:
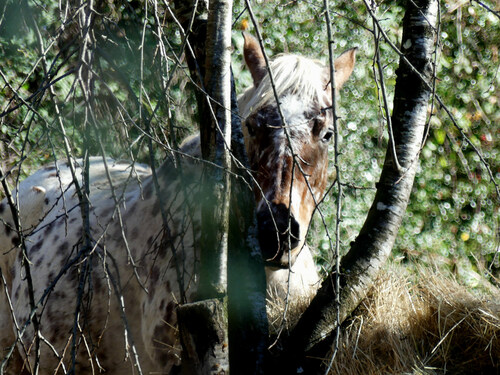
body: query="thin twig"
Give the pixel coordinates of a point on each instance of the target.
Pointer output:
(26, 263)
(339, 186)
(392, 143)
(438, 98)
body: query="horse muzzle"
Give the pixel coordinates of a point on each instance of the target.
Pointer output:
(279, 233)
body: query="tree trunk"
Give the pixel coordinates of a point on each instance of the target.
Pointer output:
(248, 330)
(203, 326)
(203, 333)
(216, 136)
(233, 231)
(372, 247)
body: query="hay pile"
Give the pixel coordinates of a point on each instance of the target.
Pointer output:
(429, 326)
(283, 315)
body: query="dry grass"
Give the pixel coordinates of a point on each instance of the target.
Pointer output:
(283, 315)
(432, 325)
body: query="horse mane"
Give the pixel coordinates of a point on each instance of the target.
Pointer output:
(293, 74)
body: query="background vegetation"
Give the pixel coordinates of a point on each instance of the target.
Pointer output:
(140, 92)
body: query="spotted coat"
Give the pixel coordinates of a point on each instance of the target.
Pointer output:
(107, 276)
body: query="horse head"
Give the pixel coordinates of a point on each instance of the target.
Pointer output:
(287, 143)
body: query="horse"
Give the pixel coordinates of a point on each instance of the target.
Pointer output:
(107, 276)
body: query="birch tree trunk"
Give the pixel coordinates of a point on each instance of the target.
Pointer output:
(203, 325)
(372, 247)
(229, 224)
(216, 136)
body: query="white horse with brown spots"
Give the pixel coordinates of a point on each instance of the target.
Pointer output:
(97, 295)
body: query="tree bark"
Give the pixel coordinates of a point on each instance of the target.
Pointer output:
(203, 331)
(248, 330)
(203, 326)
(222, 233)
(372, 247)
(216, 139)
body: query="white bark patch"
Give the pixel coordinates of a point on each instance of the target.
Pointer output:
(382, 207)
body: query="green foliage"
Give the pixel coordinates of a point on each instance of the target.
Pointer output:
(115, 97)
(454, 210)
(453, 216)
(138, 88)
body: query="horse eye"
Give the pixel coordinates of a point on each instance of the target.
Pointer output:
(328, 136)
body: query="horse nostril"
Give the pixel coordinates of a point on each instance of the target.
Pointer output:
(278, 231)
(268, 239)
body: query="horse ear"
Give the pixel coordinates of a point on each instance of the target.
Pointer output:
(344, 65)
(254, 58)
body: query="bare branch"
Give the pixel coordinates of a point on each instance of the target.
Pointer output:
(338, 182)
(374, 243)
